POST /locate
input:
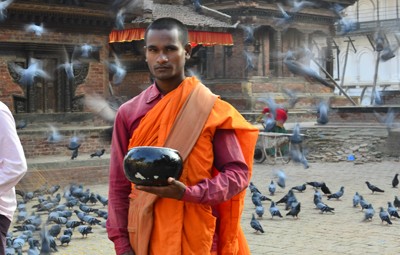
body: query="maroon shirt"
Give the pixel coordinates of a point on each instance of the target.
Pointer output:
(228, 158)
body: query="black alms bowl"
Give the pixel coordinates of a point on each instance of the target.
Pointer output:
(151, 166)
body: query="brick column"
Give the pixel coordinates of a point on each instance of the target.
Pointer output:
(278, 48)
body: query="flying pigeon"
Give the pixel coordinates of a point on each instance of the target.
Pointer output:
(38, 30)
(281, 179)
(28, 75)
(299, 5)
(117, 70)
(54, 136)
(3, 9)
(322, 113)
(120, 19)
(300, 69)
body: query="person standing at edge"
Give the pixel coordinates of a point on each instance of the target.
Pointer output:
(12, 168)
(199, 213)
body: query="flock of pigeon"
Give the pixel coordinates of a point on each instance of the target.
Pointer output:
(293, 206)
(45, 219)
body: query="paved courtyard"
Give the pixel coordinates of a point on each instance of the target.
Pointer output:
(344, 232)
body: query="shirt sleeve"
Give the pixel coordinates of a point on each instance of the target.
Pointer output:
(12, 157)
(233, 176)
(119, 189)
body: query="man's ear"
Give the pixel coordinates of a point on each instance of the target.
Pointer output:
(188, 50)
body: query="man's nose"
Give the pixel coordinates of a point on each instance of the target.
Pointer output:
(162, 58)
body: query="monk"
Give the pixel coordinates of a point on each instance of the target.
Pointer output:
(199, 213)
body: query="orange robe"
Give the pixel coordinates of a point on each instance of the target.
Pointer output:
(188, 228)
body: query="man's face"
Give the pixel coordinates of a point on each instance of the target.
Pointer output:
(165, 55)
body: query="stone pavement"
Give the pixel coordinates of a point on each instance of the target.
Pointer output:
(344, 232)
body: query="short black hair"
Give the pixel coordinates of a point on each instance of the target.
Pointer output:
(169, 24)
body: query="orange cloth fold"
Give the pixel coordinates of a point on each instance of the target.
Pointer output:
(188, 228)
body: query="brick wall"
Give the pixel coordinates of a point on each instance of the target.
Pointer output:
(96, 80)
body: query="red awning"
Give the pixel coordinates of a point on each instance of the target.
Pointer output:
(195, 37)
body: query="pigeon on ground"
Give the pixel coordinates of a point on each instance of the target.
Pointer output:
(65, 239)
(315, 184)
(260, 210)
(384, 216)
(85, 230)
(396, 202)
(102, 200)
(294, 211)
(291, 200)
(272, 188)
(255, 198)
(255, 224)
(253, 188)
(356, 199)
(284, 199)
(392, 211)
(363, 203)
(98, 153)
(3, 9)
(369, 212)
(325, 208)
(338, 194)
(74, 154)
(325, 189)
(373, 188)
(274, 210)
(300, 188)
(395, 181)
